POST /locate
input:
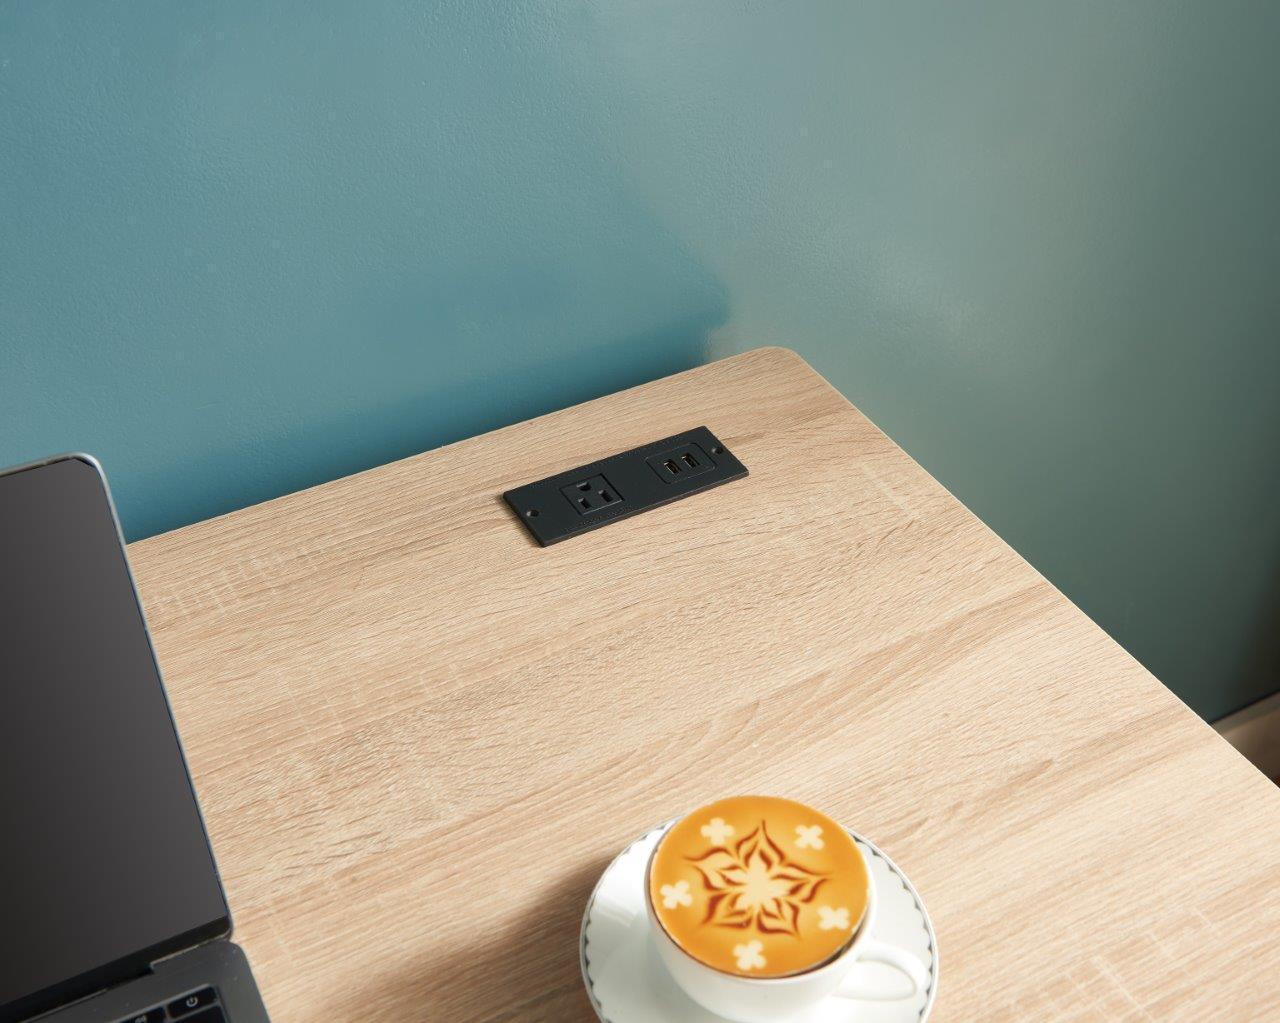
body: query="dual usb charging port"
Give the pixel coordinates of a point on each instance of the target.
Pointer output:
(674, 468)
(680, 463)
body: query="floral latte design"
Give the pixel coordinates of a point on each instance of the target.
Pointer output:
(758, 886)
(753, 885)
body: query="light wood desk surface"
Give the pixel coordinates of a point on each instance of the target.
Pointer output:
(418, 737)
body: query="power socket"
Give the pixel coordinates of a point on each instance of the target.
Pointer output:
(594, 495)
(591, 495)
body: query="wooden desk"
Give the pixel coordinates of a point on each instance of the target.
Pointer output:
(419, 738)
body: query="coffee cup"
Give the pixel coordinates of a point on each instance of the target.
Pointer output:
(760, 907)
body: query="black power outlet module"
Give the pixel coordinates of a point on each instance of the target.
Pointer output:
(591, 495)
(623, 485)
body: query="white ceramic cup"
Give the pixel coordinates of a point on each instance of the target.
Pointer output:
(774, 999)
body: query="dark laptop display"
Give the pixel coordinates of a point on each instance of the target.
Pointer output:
(104, 862)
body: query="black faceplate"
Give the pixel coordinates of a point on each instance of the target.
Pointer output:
(593, 495)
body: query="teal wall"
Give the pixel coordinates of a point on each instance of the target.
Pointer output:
(247, 246)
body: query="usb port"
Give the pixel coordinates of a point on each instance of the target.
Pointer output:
(682, 464)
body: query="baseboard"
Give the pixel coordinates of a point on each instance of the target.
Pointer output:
(1255, 732)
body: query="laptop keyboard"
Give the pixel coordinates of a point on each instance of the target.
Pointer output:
(200, 1006)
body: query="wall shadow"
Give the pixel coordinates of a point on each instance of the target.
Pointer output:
(1258, 670)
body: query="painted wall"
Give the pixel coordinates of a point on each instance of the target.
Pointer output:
(246, 247)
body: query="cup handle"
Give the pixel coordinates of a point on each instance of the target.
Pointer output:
(904, 962)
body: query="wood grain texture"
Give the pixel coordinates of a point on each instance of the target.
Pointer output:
(419, 738)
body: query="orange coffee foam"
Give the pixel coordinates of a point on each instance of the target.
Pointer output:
(759, 886)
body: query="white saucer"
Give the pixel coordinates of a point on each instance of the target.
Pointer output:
(627, 983)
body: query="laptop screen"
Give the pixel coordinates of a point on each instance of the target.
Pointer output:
(104, 862)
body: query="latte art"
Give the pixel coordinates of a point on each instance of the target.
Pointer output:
(758, 886)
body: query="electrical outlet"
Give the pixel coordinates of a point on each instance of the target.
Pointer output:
(594, 495)
(591, 495)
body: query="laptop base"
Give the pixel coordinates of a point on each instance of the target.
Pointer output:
(218, 964)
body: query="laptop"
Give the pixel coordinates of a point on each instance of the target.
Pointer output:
(111, 909)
